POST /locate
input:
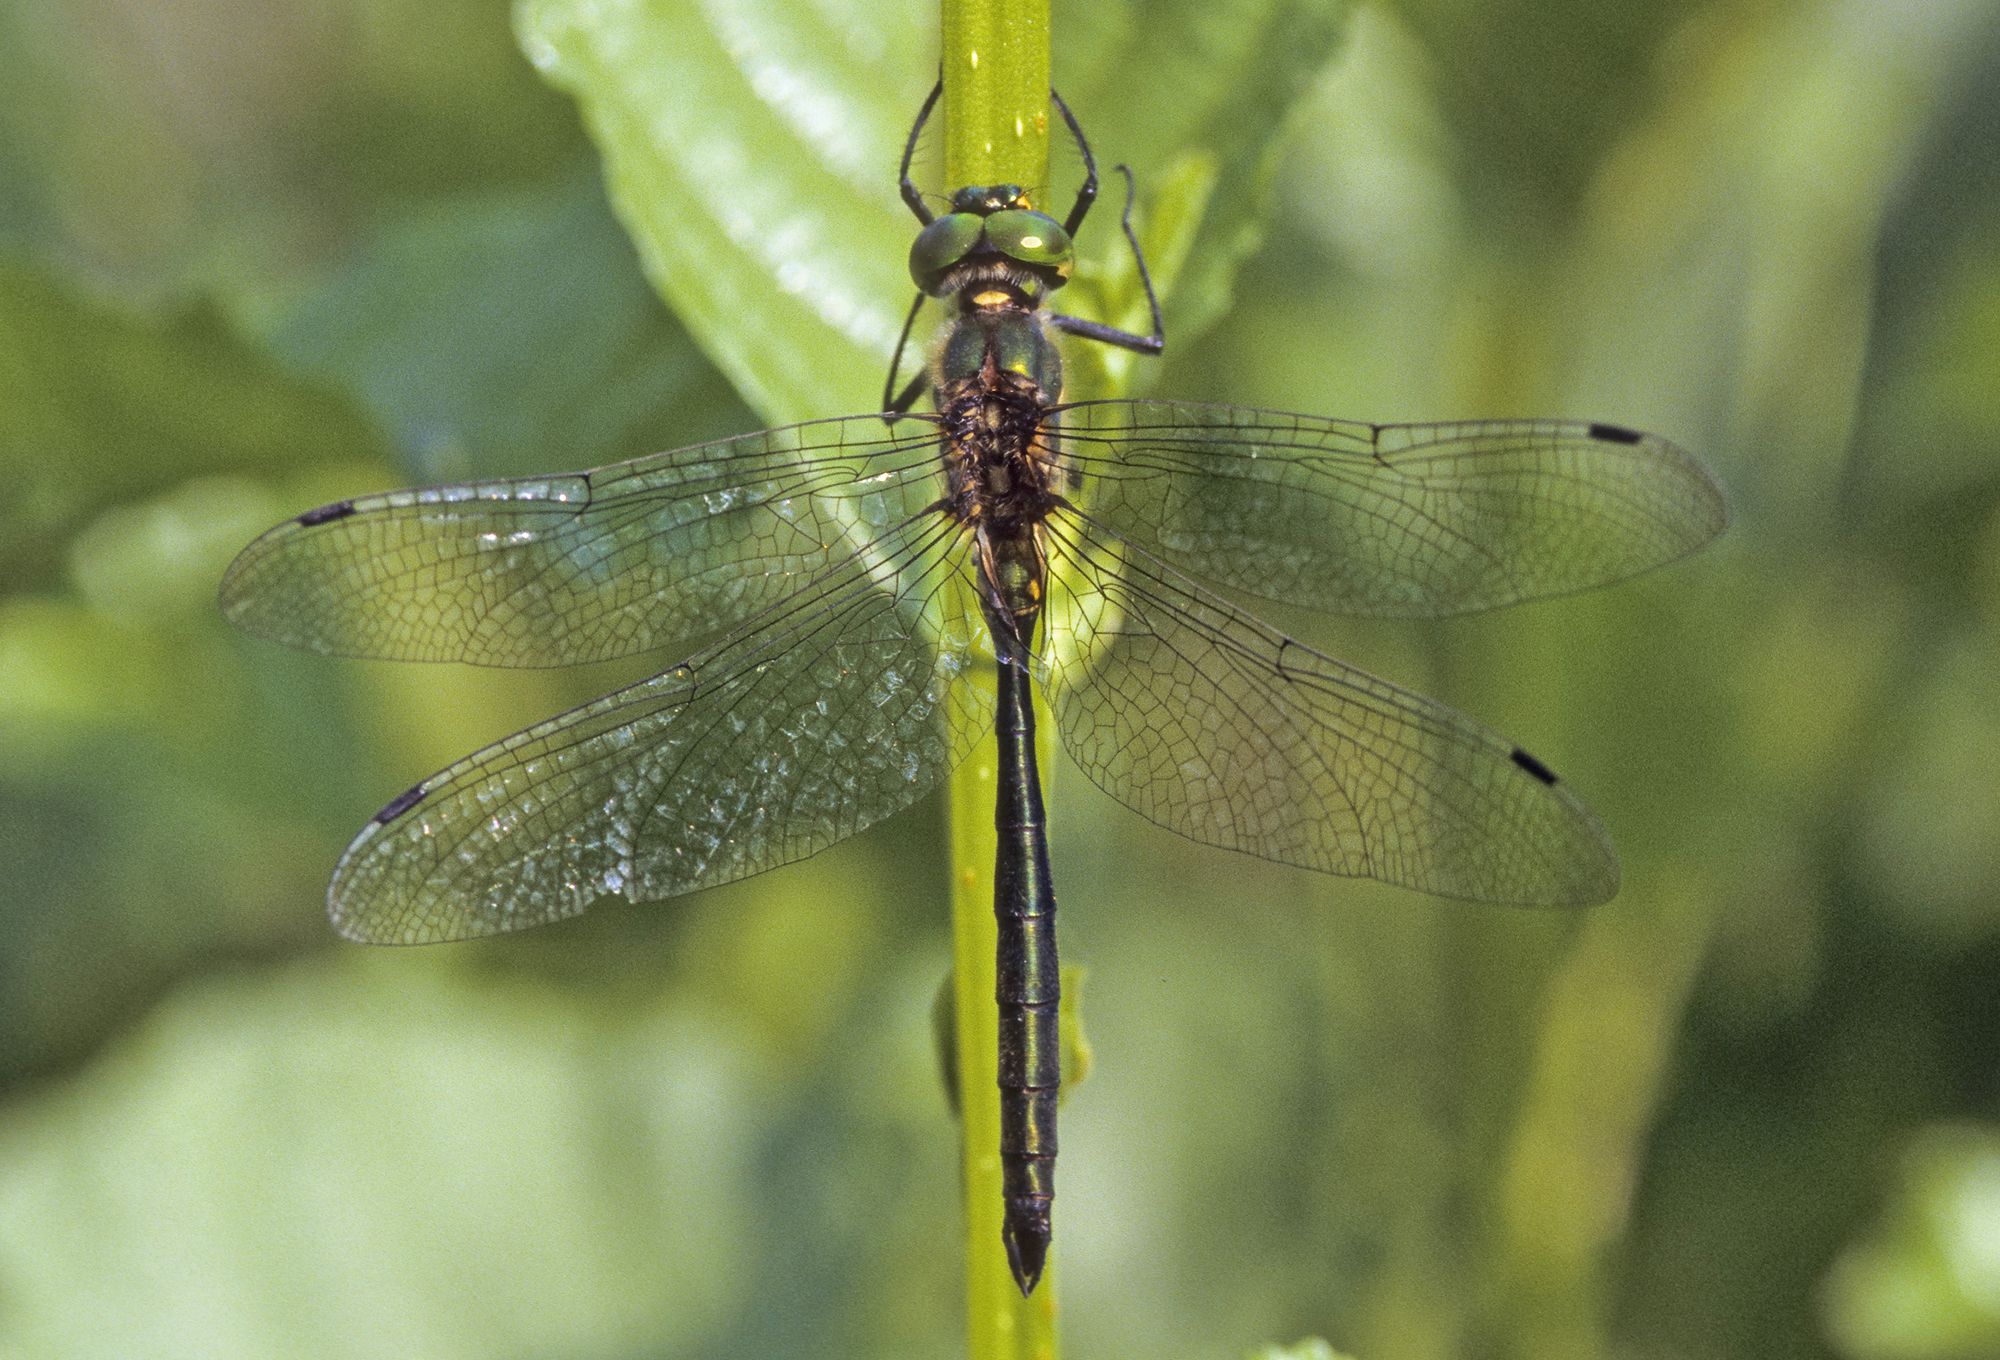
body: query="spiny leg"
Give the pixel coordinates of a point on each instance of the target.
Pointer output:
(1112, 335)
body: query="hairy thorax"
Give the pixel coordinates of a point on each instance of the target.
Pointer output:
(1002, 476)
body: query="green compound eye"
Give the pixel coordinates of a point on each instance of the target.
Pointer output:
(1032, 238)
(941, 245)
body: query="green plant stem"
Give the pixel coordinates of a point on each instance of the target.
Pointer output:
(995, 67)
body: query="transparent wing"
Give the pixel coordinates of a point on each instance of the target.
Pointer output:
(1217, 726)
(548, 571)
(835, 709)
(1392, 520)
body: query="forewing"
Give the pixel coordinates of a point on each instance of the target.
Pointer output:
(1390, 520)
(1217, 726)
(547, 571)
(838, 707)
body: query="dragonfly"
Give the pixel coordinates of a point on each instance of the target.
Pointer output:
(861, 575)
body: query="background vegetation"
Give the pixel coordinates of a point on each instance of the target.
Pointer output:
(253, 257)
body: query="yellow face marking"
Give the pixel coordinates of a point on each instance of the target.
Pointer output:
(992, 297)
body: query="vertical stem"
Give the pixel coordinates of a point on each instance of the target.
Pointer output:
(995, 65)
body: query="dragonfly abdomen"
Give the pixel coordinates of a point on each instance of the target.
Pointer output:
(1028, 985)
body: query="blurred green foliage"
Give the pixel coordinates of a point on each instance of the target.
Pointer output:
(254, 257)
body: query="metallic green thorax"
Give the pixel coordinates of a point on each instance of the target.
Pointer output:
(1013, 339)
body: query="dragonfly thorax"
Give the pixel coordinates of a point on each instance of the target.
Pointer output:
(1002, 335)
(997, 462)
(1001, 474)
(992, 396)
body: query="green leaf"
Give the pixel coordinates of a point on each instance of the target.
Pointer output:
(1211, 82)
(751, 154)
(375, 1160)
(507, 333)
(1310, 1349)
(1925, 1283)
(240, 148)
(101, 408)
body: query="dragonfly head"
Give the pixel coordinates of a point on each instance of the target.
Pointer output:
(983, 200)
(992, 235)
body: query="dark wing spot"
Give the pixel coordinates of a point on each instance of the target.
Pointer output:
(326, 514)
(1533, 766)
(400, 804)
(1615, 434)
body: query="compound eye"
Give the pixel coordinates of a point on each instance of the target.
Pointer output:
(1032, 238)
(941, 246)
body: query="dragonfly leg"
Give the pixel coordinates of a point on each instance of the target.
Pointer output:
(891, 401)
(1087, 194)
(911, 195)
(1111, 335)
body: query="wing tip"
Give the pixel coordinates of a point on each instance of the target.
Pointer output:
(1601, 886)
(1704, 529)
(1591, 876)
